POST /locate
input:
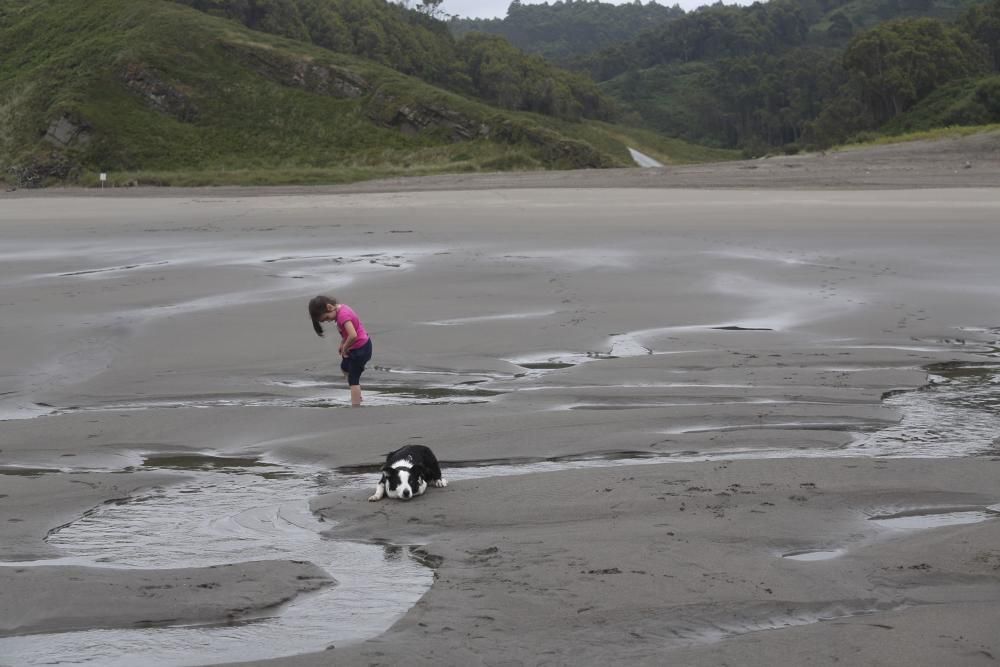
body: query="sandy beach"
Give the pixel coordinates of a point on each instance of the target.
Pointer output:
(752, 425)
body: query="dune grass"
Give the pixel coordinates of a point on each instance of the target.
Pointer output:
(951, 132)
(667, 150)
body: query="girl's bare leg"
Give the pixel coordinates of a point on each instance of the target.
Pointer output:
(355, 395)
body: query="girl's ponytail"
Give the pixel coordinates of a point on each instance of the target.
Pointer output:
(317, 307)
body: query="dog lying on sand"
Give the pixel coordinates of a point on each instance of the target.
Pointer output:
(407, 473)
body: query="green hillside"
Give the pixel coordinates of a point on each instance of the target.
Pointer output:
(414, 43)
(157, 92)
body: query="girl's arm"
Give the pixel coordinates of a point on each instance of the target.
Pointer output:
(352, 335)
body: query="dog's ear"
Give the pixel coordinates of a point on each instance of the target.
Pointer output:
(418, 472)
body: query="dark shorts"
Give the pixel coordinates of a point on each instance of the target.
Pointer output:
(354, 363)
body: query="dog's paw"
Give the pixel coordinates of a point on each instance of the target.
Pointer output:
(374, 498)
(440, 483)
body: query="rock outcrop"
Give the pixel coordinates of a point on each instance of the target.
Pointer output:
(555, 149)
(302, 73)
(66, 131)
(42, 170)
(413, 118)
(158, 94)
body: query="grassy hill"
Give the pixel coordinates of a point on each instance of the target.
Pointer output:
(156, 92)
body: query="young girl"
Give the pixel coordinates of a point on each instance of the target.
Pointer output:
(355, 344)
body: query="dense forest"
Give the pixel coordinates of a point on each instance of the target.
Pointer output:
(798, 73)
(414, 42)
(786, 74)
(564, 31)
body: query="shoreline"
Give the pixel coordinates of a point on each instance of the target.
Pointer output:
(957, 162)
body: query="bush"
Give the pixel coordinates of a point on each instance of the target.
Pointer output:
(988, 95)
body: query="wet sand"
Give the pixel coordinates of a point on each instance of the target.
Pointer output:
(148, 598)
(736, 343)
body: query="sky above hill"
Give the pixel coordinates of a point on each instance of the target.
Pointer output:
(498, 8)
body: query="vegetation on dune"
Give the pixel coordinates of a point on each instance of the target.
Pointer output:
(951, 132)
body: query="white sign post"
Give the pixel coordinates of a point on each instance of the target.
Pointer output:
(104, 177)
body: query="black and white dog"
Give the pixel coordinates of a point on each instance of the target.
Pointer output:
(407, 473)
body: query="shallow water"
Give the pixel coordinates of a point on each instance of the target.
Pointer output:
(814, 555)
(957, 414)
(896, 521)
(230, 510)
(932, 518)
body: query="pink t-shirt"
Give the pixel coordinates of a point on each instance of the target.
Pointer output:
(344, 315)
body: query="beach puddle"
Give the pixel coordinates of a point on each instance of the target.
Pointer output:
(546, 365)
(925, 518)
(203, 462)
(17, 471)
(849, 426)
(733, 327)
(112, 269)
(434, 393)
(814, 554)
(364, 476)
(335, 396)
(613, 404)
(230, 510)
(909, 520)
(555, 361)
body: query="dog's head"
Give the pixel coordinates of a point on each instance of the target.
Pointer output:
(404, 482)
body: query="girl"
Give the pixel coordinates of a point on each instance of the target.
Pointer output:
(355, 344)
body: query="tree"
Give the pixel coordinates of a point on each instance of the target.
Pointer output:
(898, 63)
(982, 22)
(430, 7)
(841, 28)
